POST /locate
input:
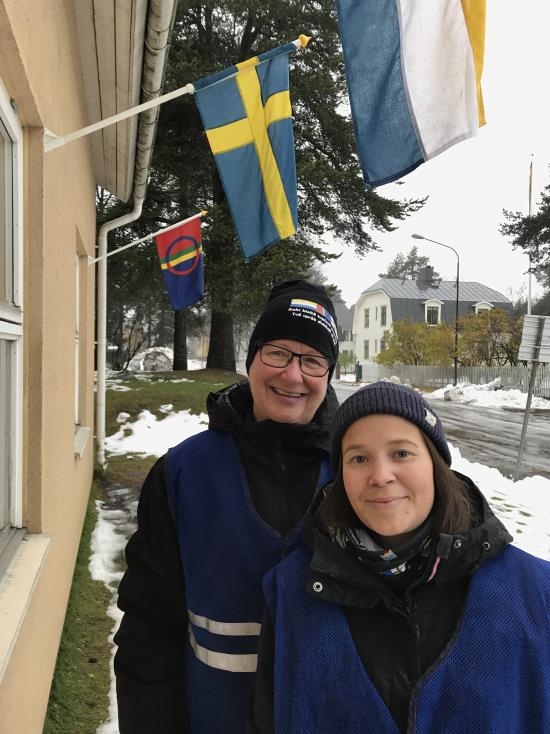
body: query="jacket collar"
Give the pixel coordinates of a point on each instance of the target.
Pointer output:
(230, 410)
(346, 580)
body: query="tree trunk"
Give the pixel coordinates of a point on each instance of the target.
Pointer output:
(162, 336)
(221, 351)
(180, 340)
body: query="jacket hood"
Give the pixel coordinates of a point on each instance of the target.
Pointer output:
(230, 410)
(457, 556)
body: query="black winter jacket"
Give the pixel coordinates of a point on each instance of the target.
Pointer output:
(282, 464)
(399, 634)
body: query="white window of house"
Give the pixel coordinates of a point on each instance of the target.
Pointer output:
(375, 346)
(383, 315)
(432, 315)
(366, 349)
(483, 306)
(432, 311)
(82, 432)
(382, 344)
(11, 329)
(376, 313)
(367, 318)
(78, 310)
(346, 335)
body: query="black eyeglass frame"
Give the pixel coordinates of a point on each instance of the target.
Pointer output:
(293, 354)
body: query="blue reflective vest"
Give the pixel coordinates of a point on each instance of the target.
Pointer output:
(493, 677)
(226, 548)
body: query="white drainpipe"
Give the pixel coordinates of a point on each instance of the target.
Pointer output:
(160, 21)
(102, 322)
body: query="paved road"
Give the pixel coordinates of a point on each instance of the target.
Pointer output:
(491, 436)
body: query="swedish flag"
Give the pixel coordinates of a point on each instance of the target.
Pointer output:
(248, 121)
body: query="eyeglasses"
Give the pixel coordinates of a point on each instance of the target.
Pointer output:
(310, 364)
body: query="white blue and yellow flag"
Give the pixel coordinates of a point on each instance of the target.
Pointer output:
(247, 116)
(414, 79)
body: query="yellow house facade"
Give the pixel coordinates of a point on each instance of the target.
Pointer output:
(63, 65)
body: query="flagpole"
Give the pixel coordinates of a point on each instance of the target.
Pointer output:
(53, 141)
(529, 271)
(92, 260)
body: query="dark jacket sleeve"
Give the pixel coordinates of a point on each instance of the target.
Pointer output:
(261, 708)
(150, 660)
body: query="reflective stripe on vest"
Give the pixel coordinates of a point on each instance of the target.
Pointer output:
(234, 629)
(222, 660)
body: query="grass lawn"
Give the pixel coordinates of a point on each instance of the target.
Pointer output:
(79, 696)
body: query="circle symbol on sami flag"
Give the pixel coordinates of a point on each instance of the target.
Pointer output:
(178, 245)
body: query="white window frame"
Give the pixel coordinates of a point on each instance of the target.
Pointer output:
(12, 333)
(432, 302)
(483, 306)
(11, 316)
(383, 310)
(366, 318)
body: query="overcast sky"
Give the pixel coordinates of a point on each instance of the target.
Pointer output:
(470, 184)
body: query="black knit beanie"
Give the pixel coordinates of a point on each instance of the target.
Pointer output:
(300, 311)
(393, 399)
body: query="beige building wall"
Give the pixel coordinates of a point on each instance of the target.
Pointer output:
(40, 67)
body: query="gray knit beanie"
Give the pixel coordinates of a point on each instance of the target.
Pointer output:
(393, 399)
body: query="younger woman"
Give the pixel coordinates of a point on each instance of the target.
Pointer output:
(409, 611)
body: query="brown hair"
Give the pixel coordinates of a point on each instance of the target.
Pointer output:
(451, 510)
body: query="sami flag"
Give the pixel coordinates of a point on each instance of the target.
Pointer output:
(414, 79)
(180, 253)
(247, 118)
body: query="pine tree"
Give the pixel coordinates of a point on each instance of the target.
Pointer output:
(208, 37)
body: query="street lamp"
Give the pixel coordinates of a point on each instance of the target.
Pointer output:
(435, 242)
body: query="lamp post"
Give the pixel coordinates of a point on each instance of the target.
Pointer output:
(435, 242)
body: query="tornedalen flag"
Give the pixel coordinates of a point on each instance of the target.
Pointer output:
(414, 79)
(180, 252)
(247, 117)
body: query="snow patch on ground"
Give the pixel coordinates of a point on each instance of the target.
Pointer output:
(149, 436)
(350, 377)
(115, 523)
(489, 395)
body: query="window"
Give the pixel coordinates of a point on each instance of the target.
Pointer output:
(11, 333)
(367, 318)
(483, 306)
(346, 335)
(432, 311)
(382, 344)
(375, 346)
(376, 313)
(382, 315)
(366, 349)
(432, 315)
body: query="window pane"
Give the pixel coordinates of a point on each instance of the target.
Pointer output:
(5, 392)
(432, 313)
(3, 212)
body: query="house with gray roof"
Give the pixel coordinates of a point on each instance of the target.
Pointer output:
(426, 299)
(344, 316)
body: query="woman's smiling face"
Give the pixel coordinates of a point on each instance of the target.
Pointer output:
(285, 394)
(388, 475)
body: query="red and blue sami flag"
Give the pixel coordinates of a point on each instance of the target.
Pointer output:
(180, 253)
